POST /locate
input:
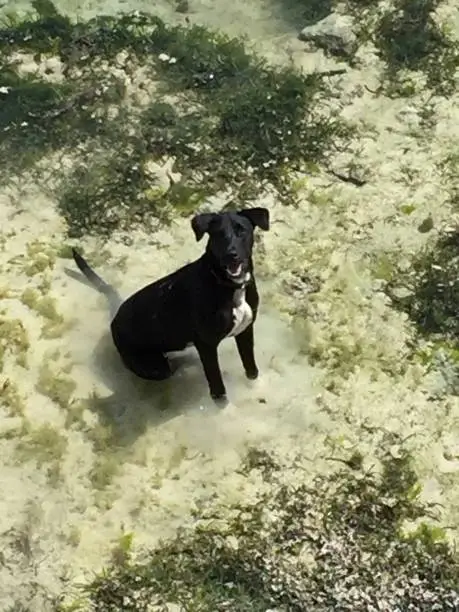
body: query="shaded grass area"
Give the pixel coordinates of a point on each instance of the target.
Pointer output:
(408, 37)
(428, 293)
(238, 121)
(338, 544)
(45, 445)
(38, 117)
(432, 288)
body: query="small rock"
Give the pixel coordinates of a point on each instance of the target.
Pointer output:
(182, 6)
(401, 293)
(426, 225)
(333, 34)
(158, 175)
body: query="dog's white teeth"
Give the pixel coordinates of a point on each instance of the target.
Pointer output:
(235, 272)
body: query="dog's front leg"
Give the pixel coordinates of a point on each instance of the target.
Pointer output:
(209, 359)
(245, 346)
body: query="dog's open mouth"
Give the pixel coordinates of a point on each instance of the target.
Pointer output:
(234, 270)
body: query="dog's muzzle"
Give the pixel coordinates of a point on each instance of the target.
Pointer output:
(236, 272)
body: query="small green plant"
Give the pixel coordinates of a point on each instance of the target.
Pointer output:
(40, 257)
(121, 553)
(103, 471)
(312, 10)
(11, 399)
(107, 459)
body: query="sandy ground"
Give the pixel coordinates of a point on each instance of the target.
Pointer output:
(171, 449)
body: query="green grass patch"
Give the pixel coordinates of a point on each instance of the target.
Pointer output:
(299, 547)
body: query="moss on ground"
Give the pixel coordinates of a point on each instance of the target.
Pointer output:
(236, 120)
(340, 543)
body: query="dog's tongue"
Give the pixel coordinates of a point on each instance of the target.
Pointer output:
(235, 269)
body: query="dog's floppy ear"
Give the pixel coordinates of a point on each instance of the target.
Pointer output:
(259, 217)
(201, 223)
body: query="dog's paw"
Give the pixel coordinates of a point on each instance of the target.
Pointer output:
(220, 400)
(259, 387)
(252, 374)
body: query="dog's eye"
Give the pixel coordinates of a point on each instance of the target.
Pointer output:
(238, 230)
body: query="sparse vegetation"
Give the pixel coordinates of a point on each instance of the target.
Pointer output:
(39, 258)
(55, 323)
(210, 115)
(107, 460)
(55, 384)
(46, 445)
(241, 121)
(319, 547)
(38, 117)
(115, 192)
(14, 341)
(428, 294)
(430, 289)
(11, 399)
(408, 38)
(104, 469)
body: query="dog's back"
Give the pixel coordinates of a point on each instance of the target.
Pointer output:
(157, 316)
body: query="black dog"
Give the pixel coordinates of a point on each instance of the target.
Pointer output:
(200, 304)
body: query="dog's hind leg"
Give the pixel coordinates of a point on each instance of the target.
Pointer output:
(147, 365)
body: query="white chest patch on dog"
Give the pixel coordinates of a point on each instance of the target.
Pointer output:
(242, 314)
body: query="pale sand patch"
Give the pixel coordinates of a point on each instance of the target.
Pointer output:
(176, 450)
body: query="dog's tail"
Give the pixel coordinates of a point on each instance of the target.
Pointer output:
(112, 295)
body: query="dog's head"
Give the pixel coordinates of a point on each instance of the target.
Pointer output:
(231, 239)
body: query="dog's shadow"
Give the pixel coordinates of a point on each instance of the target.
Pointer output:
(135, 405)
